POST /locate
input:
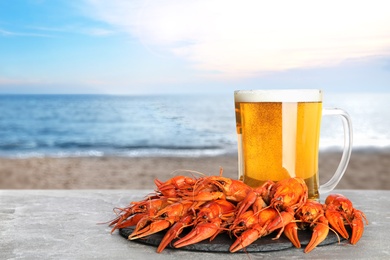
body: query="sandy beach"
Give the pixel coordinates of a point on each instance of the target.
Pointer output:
(365, 171)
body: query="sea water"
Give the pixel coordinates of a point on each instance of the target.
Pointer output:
(160, 125)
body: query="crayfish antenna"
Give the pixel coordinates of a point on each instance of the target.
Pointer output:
(193, 172)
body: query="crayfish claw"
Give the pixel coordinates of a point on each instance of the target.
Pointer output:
(291, 232)
(150, 229)
(247, 237)
(320, 232)
(281, 221)
(174, 232)
(357, 226)
(336, 221)
(200, 232)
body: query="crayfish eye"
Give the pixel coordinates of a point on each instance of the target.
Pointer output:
(142, 206)
(241, 224)
(222, 182)
(164, 215)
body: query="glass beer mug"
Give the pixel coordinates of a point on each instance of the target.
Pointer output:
(278, 137)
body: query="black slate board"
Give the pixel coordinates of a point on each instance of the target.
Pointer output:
(222, 242)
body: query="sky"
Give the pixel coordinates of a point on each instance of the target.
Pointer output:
(204, 46)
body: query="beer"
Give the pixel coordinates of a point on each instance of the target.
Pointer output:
(278, 136)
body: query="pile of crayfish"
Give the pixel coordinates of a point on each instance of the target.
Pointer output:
(210, 205)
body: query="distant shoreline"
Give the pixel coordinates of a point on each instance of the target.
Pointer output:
(367, 170)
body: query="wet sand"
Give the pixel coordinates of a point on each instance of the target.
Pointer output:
(366, 170)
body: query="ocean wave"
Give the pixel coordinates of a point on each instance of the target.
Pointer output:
(119, 153)
(163, 151)
(90, 149)
(20, 146)
(365, 144)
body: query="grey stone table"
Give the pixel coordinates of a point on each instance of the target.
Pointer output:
(62, 224)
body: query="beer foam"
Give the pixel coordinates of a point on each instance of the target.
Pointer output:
(278, 95)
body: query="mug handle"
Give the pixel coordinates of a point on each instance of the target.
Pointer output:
(347, 125)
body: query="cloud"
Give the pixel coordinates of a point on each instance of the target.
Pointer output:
(72, 29)
(7, 33)
(246, 38)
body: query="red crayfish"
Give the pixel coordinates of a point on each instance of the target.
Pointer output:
(211, 205)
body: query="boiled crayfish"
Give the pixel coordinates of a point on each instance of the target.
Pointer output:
(211, 205)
